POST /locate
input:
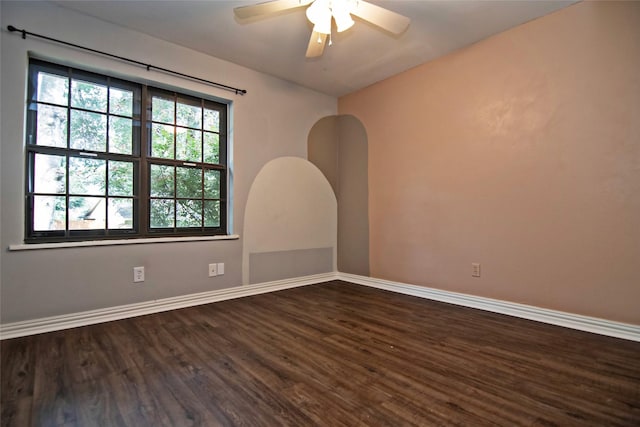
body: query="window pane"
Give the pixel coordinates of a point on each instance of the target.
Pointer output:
(88, 131)
(120, 102)
(162, 110)
(188, 145)
(120, 213)
(189, 182)
(189, 213)
(189, 115)
(86, 213)
(89, 96)
(87, 176)
(120, 178)
(211, 184)
(211, 148)
(49, 174)
(161, 181)
(49, 213)
(211, 120)
(161, 212)
(162, 141)
(211, 213)
(120, 135)
(52, 126)
(53, 89)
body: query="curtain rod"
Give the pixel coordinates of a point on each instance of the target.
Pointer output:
(238, 91)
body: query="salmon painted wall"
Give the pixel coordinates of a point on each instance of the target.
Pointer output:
(522, 153)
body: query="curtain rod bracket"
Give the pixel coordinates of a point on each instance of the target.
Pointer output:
(238, 91)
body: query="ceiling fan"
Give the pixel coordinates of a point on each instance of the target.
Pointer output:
(321, 13)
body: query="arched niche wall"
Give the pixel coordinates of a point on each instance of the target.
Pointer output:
(290, 224)
(338, 146)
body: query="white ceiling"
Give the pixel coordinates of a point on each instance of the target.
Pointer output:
(277, 44)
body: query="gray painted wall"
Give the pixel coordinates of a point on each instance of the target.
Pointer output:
(271, 121)
(268, 266)
(338, 147)
(353, 197)
(323, 149)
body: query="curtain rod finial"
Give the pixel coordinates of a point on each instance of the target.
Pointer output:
(12, 29)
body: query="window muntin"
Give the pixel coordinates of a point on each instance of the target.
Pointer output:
(93, 173)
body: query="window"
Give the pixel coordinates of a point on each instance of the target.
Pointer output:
(109, 158)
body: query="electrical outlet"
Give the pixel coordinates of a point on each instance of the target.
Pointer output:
(475, 269)
(213, 270)
(220, 268)
(138, 274)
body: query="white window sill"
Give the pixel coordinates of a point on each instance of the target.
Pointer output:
(33, 246)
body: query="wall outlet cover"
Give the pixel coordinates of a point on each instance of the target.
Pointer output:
(475, 269)
(213, 270)
(138, 274)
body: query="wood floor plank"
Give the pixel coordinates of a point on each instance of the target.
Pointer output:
(334, 354)
(95, 404)
(18, 365)
(16, 412)
(18, 371)
(53, 403)
(137, 404)
(167, 382)
(211, 373)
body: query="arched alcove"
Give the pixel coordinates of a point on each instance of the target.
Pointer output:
(290, 223)
(338, 146)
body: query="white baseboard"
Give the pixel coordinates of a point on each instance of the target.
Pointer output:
(67, 321)
(559, 318)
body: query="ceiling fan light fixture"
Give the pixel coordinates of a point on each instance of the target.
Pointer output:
(342, 17)
(323, 27)
(319, 12)
(322, 13)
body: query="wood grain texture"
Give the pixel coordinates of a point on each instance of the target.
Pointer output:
(334, 354)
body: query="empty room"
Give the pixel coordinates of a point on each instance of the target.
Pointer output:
(319, 213)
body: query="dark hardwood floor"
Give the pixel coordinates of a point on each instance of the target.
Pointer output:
(334, 354)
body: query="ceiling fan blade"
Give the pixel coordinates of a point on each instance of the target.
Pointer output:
(381, 17)
(316, 44)
(266, 8)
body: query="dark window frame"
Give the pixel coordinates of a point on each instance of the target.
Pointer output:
(140, 157)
